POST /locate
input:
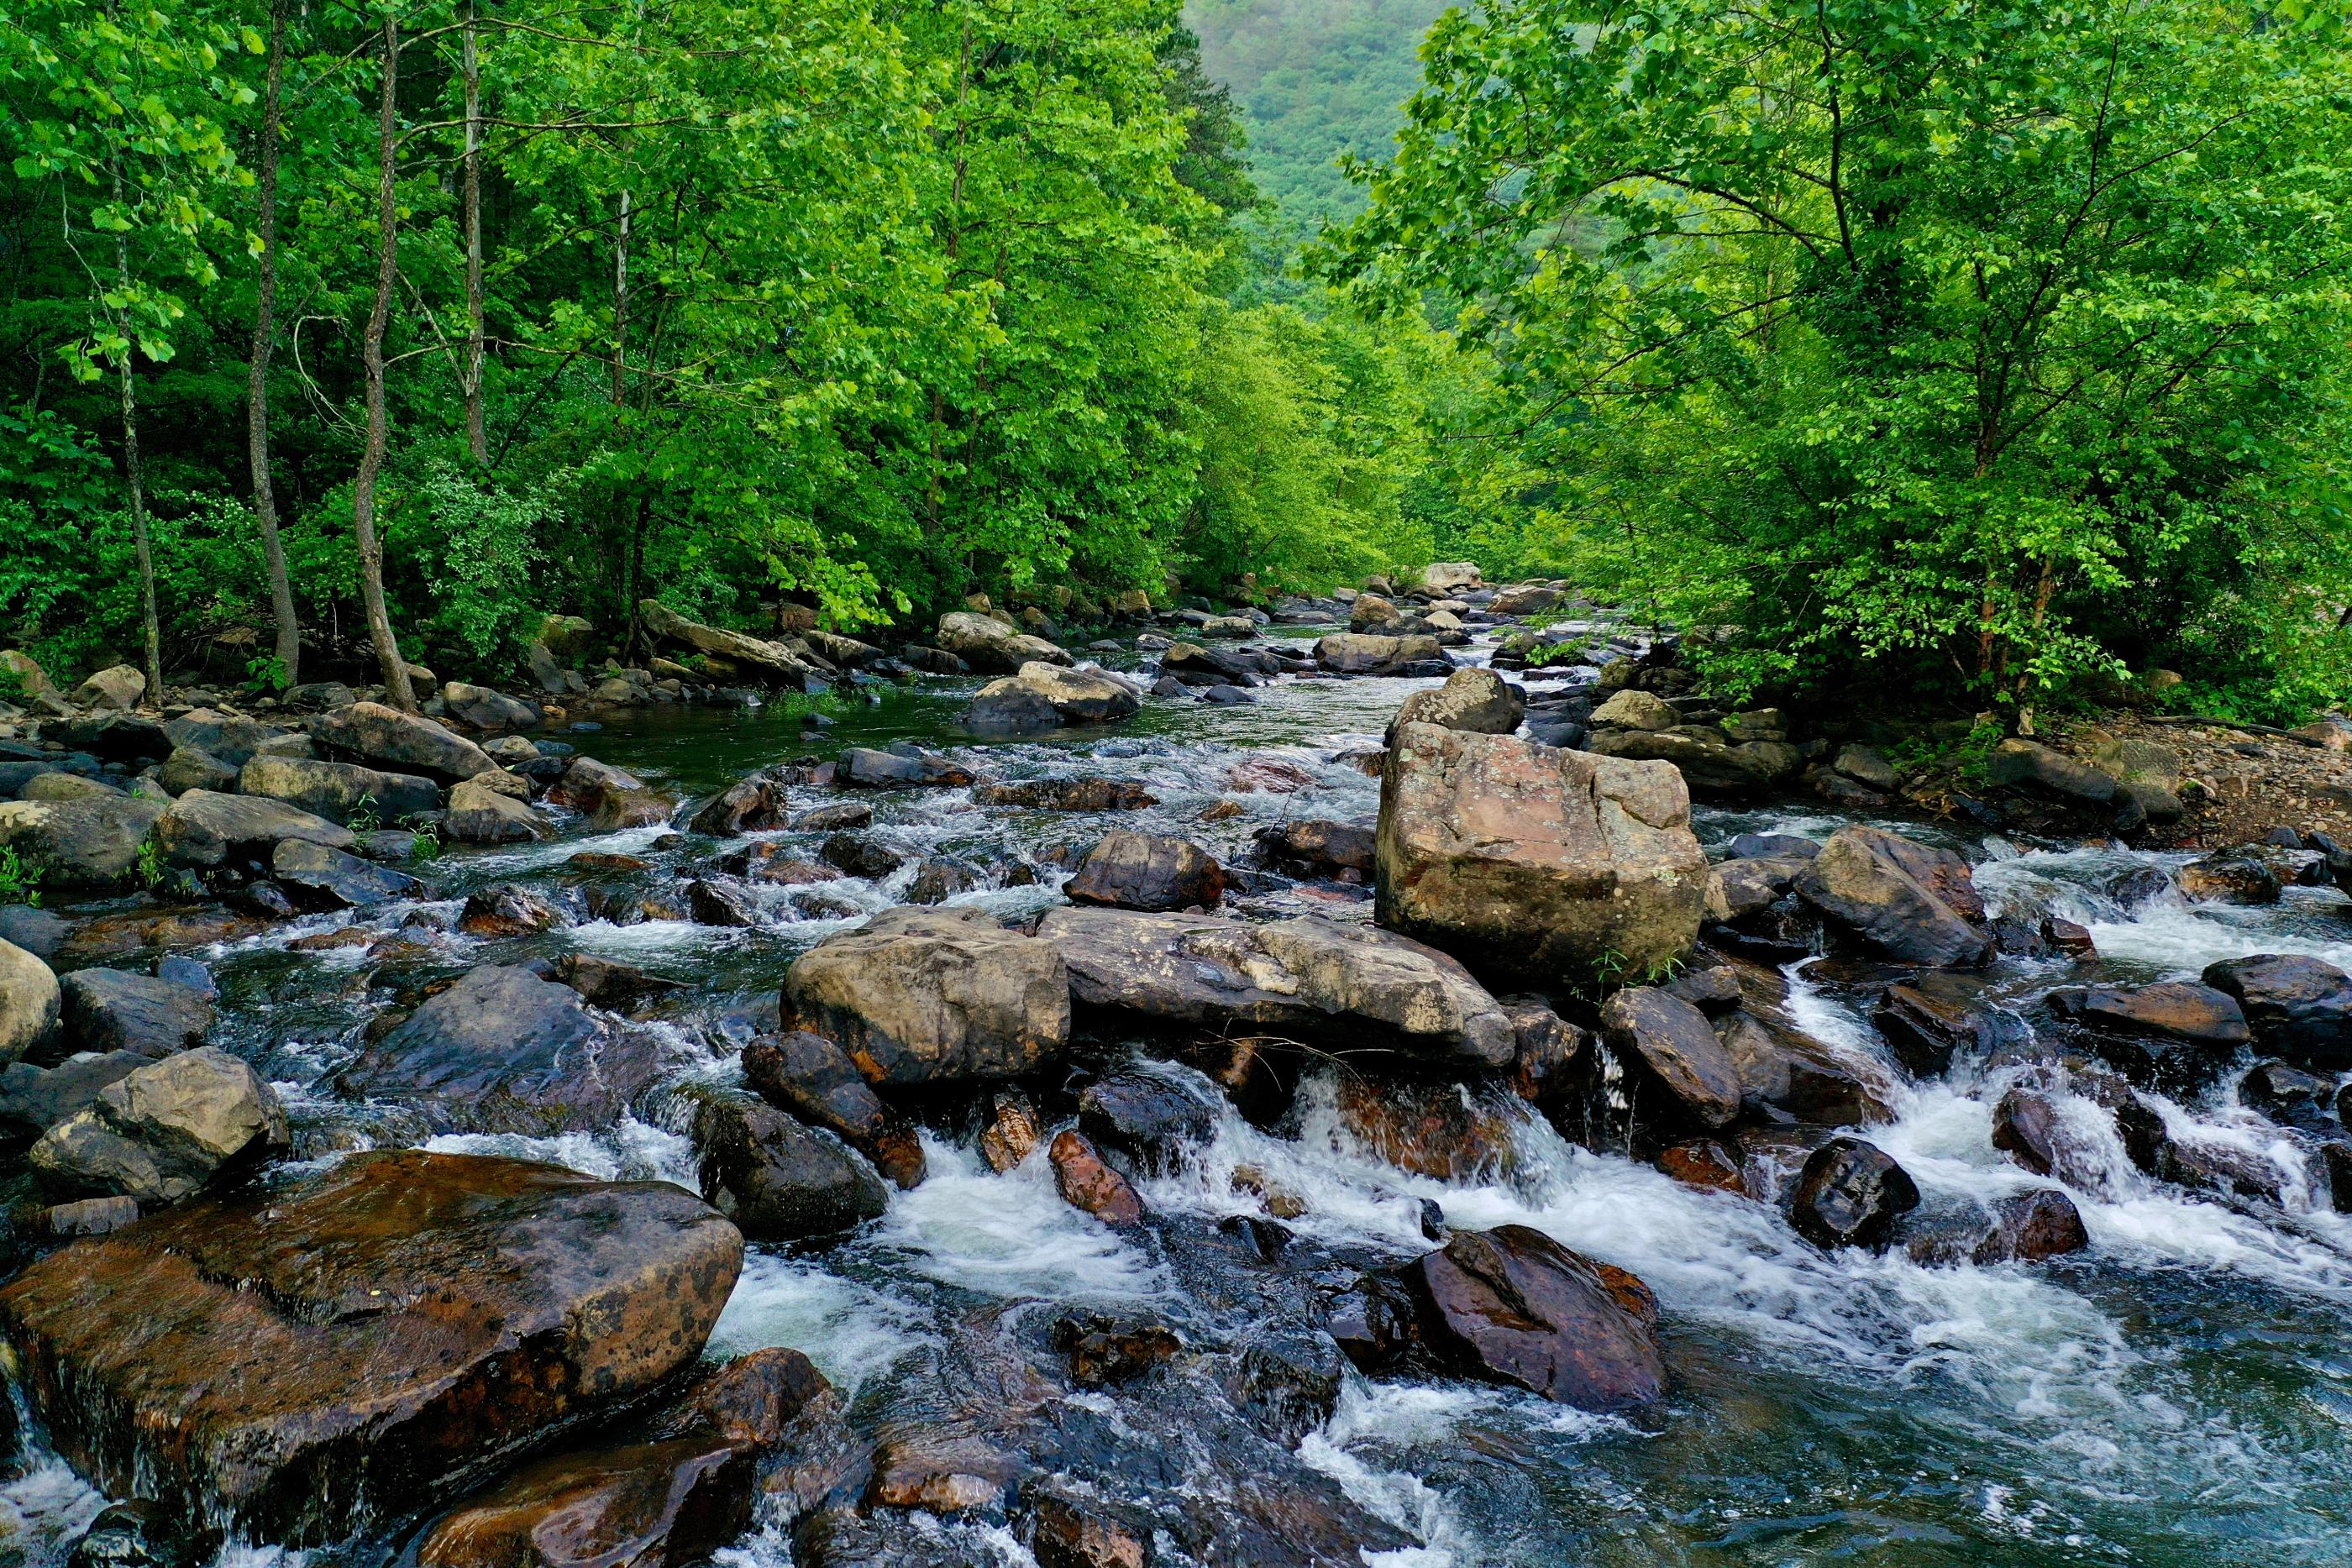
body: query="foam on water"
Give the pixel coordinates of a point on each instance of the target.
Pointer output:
(853, 1331)
(629, 1150)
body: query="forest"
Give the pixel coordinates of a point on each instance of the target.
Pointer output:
(1999, 356)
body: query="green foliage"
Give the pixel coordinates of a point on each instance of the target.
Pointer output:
(1980, 348)
(20, 880)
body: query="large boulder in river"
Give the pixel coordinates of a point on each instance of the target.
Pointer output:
(1849, 1194)
(1709, 762)
(1149, 872)
(203, 829)
(991, 647)
(164, 1131)
(1349, 983)
(1513, 1305)
(1680, 1071)
(928, 996)
(401, 742)
(91, 843)
(114, 1009)
(1044, 695)
(29, 1003)
(1903, 899)
(315, 876)
(1478, 700)
(302, 1365)
(1535, 861)
(1364, 653)
(777, 1180)
(340, 790)
(2298, 1007)
(636, 1505)
(2170, 1034)
(479, 814)
(756, 804)
(503, 1051)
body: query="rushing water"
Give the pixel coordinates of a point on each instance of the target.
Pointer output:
(2181, 1393)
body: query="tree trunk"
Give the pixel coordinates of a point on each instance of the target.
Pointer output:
(476, 438)
(264, 333)
(379, 438)
(150, 623)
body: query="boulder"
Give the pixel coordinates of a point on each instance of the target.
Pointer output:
(1680, 1070)
(2174, 1035)
(1316, 847)
(777, 1180)
(642, 1505)
(814, 1079)
(753, 805)
(2025, 1127)
(188, 768)
(585, 782)
(1190, 665)
(1849, 1194)
(203, 829)
(506, 909)
(732, 654)
(1537, 863)
(25, 673)
(1346, 983)
(503, 1051)
(1364, 653)
(1059, 695)
(922, 996)
(1514, 1306)
(1931, 1019)
(2029, 765)
(1633, 708)
(482, 709)
(863, 767)
(1478, 700)
(1739, 890)
(1898, 898)
(1868, 765)
(231, 737)
(481, 815)
(1085, 1183)
(55, 787)
(403, 1317)
(30, 1004)
(2029, 1227)
(1066, 795)
(118, 686)
(2297, 1008)
(1146, 1119)
(164, 1131)
(2229, 878)
(1149, 872)
(991, 646)
(340, 792)
(941, 878)
(87, 843)
(399, 742)
(1370, 612)
(113, 1009)
(1709, 763)
(318, 877)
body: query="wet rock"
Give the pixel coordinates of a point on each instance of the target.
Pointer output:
(1709, 763)
(814, 1079)
(2240, 878)
(753, 1401)
(1784, 1068)
(87, 843)
(2292, 1098)
(139, 1534)
(2070, 939)
(1067, 795)
(933, 995)
(479, 707)
(1374, 1320)
(777, 1180)
(506, 909)
(1268, 775)
(1448, 1131)
(940, 1474)
(1705, 1164)
(1514, 1306)
(1682, 1071)
(203, 829)
(644, 1505)
(401, 1317)
(1739, 890)
(2029, 765)
(862, 768)
(2177, 1035)
(1930, 1020)
(720, 903)
(40, 932)
(1148, 871)
(2336, 1172)
(585, 782)
(1903, 900)
(113, 1009)
(314, 876)
(1190, 665)
(1065, 1534)
(2032, 1225)
(1360, 653)
(503, 1051)
(751, 805)
(1319, 848)
(1849, 1194)
(30, 1004)
(164, 1131)
(991, 647)
(1085, 1183)
(1535, 861)
(2297, 1007)
(1149, 1121)
(1475, 700)
(2025, 1127)
(1044, 697)
(845, 816)
(399, 742)
(339, 791)
(859, 857)
(1012, 1133)
(481, 815)
(1773, 846)
(619, 809)
(608, 983)
(1364, 986)
(939, 879)
(1106, 1351)
(188, 768)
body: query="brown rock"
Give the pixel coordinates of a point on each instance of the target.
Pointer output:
(1148, 871)
(646, 1505)
(1513, 1305)
(1012, 1134)
(1085, 1182)
(1673, 1051)
(1704, 1162)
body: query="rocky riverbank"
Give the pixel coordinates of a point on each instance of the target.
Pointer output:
(1160, 1105)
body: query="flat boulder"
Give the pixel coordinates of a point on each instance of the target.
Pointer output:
(315, 876)
(1148, 871)
(1478, 700)
(231, 737)
(644, 1504)
(479, 707)
(991, 647)
(2297, 1006)
(1066, 795)
(1347, 983)
(1045, 696)
(339, 791)
(1678, 1065)
(1514, 1306)
(163, 1131)
(919, 995)
(202, 830)
(403, 1317)
(31, 1008)
(503, 1051)
(1897, 898)
(399, 742)
(92, 842)
(114, 1009)
(1368, 653)
(864, 767)
(776, 1180)
(1536, 862)
(2170, 1034)
(735, 654)
(1709, 762)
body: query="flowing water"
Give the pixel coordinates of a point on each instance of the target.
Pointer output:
(2178, 1395)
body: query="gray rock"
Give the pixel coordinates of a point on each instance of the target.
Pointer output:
(202, 829)
(1901, 899)
(228, 736)
(775, 1178)
(114, 1009)
(2028, 765)
(164, 1131)
(479, 814)
(1478, 700)
(991, 646)
(30, 1004)
(34, 1099)
(91, 843)
(318, 877)
(1680, 1070)
(340, 792)
(485, 710)
(1149, 872)
(188, 768)
(399, 742)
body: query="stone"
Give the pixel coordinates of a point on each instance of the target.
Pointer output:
(1268, 775)
(1849, 1194)
(1012, 1133)
(1869, 882)
(777, 1180)
(1682, 1071)
(1146, 1119)
(24, 672)
(1085, 1183)
(1739, 890)
(1448, 1131)
(1316, 847)
(399, 742)
(2240, 878)
(482, 709)
(34, 1099)
(2025, 1127)
(1478, 700)
(340, 792)
(2028, 765)
(481, 815)
(733, 654)
(608, 983)
(617, 810)
(1370, 612)
(503, 1051)
(1044, 697)
(1707, 760)
(1513, 1306)
(1866, 765)
(816, 1080)
(1635, 709)
(1538, 863)
(1067, 795)
(2173, 1034)
(585, 782)
(1782, 1067)
(1527, 599)
(1930, 1020)
(118, 686)
(863, 767)
(1357, 653)
(843, 815)
(1064, 1534)
(31, 1007)
(921, 996)
(113, 1009)
(188, 768)
(164, 1131)
(401, 1317)
(643, 1505)
(859, 857)
(2029, 1227)
(2297, 1008)
(753, 805)
(231, 738)
(40, 932)
(1704, 1164)
(991, 646)
(56, 788)
(506, 909)
(714, 902)
(1347, 984)
(89, 843)
(317, 877)
(1148, 871)
(202, 830)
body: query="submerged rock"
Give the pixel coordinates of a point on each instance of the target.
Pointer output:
(932, 996)
(1067, 795)
(302, 1365)
(1513, 1305)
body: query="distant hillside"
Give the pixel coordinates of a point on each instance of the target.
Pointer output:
(1315, 78)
